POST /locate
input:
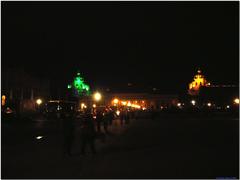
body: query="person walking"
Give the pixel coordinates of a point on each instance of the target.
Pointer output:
(121, 116)
(99, 119)
(127, 118)
(106, 120)
(68, 132)
(88, 133)
(111, 117)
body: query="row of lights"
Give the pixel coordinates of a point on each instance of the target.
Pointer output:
(193, 102)
(127, 103)
(96, 96)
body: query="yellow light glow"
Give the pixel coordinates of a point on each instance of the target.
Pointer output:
(82, 105)
(124, 103)
(178, 104)
(115, 101)
(39, 101)
(3, 100)
(209, 104)
(118, 112)
(143, 101)
(97, 96)
(236, 101)
(129, 104)
(135, 106)
(94, 106)
(199, 80)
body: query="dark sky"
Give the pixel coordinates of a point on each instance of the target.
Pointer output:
(158, 44)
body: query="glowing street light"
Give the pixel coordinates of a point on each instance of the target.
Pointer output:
(39, 101)
(115, 101)
(82, 105)
(179, 104)
(3, 100)
(236, 101)
(97, 96)
(124, 103)
(129, 103)
(39, 137)
(118, 112)
(209, 104)
(193, 102)
(94, 106)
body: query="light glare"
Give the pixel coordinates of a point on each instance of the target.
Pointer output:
(236, 101)
(97, 96)
(39, 101)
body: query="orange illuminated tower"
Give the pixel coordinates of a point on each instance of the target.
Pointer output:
(198, 81)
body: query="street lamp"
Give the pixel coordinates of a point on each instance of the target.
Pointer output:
(236, 101)
(193, 102)
(97, 96)
(82, 105)
(39, 101)
(209, 104)
(115, 101)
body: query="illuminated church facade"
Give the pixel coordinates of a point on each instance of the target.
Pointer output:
(199, 81)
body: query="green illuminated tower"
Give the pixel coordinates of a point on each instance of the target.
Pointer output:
(79, 87)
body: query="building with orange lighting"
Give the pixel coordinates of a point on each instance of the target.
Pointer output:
(141, 100)
(199, 81)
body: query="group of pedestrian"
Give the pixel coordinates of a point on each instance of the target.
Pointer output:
(124, 116)
(105, 118)
(90, 127)
(88, 132)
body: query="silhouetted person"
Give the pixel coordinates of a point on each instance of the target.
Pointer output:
(88, 133)
(127, 120)
(121, 116)
(111, 117)
(68, 132)
(106, 120)
(99, 119)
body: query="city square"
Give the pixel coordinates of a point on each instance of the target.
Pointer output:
(120, 90)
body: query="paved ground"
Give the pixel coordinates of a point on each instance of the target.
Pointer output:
(167, 147)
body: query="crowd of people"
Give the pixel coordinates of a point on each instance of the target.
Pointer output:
(93, 123)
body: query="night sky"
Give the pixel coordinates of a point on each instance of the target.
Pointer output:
(151, 44)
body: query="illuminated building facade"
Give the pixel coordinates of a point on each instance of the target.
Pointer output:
(141, 100)
(79, 87)
(199, 81)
